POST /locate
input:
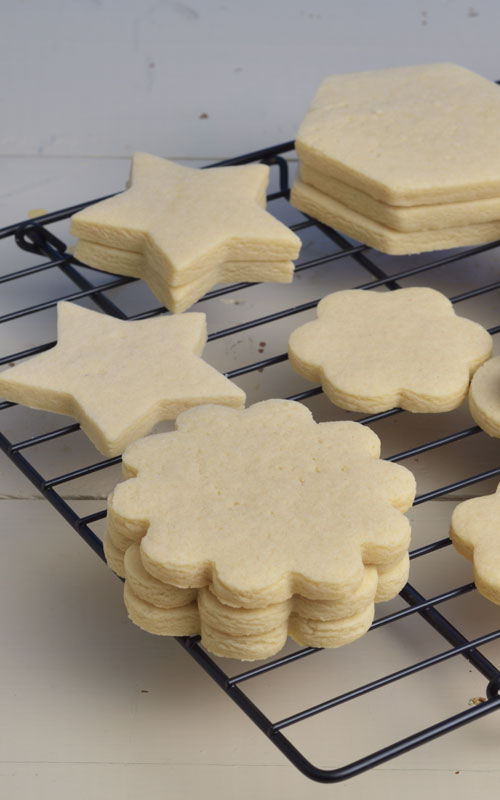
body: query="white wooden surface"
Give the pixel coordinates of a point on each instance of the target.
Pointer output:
(91, 706)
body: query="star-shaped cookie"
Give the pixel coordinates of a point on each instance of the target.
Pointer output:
(119, 378)
(373, 351)
(186, 222)
(179, 298)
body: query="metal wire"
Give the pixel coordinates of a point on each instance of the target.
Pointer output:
(34, 237)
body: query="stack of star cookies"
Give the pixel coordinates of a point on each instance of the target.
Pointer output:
(405, 159)
(184, 230)
(248, 526)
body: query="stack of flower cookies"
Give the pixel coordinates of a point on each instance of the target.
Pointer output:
(404, 159)
(248, 526)
(183, 230)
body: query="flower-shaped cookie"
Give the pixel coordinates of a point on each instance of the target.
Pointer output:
(484, 397)
(373, 351)
(262, 504)
(475, 533)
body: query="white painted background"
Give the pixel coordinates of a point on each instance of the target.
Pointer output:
(105, 77)
(82, 85)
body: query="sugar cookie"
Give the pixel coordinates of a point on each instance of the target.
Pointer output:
(373, 351)
(484, 397)
(475, 533)
(187, 222)
(403, 218)
(119, 378)
(407, 135)
(179, 298)
(273, 484)
(339, 216)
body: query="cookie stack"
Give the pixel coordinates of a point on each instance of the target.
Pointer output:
(248, 526)
(405, 159)
(184, 230)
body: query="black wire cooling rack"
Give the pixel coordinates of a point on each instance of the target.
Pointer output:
(36, 238)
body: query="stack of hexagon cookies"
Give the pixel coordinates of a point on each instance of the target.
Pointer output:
(404, 159)
(248, 526)
(183, 230)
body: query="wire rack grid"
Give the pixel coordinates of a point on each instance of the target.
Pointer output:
(101, 290)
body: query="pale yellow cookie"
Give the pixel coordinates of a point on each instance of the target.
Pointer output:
(234, 641)
(119, 378)
(179, 298)
(475, 532)
(150, 589)
(242, 621)
(403, 218)
(339, 216)
(250, 633)
(114, 555)
(243, 648)
(373, 351)
(330, 633)
(181, 621)
(484, 397)
(186, 222)
(378, 585)
(407, 135)
(271, 483)
(391, 579)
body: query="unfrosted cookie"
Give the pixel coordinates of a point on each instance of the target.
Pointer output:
(249, 634)
(270, 483)
(179, 621)
(186, 222)
(150, 589)
(403, 218)
(408, 135)
(243, 648)
(322, 633)
(475, 533)
(179, 298)
(484, 397)
(119, 378)
(377, 585)
(373, 351)
(339, 216)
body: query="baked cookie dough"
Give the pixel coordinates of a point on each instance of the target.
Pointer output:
(119, 378)
(403, 218)
(484, 397)
(185, 224)
(407, 135)
(375, 234)
(475, 533)
(373, 351)
(179, 298)
(251, 633)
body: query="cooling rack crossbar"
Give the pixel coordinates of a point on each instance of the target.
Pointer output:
(377, 684)
(103, 291)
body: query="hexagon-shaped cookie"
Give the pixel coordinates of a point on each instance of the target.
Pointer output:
(408, 135)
